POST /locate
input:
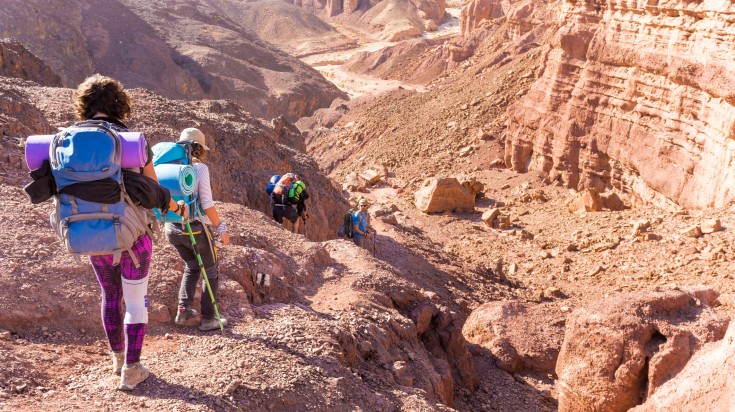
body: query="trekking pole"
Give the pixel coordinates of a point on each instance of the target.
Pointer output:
(204, 271)
(375, 252)
(306, 232)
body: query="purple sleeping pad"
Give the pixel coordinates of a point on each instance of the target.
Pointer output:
(134, 152)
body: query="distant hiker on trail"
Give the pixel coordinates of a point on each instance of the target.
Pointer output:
(289, 200)
(100, 211)
(361, 223)
(178, 236)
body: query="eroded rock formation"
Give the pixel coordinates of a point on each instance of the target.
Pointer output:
(618, 352)
(616, 109)
(17, 61)
(522, 337)
(704, 384)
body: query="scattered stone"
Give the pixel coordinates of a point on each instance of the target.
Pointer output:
(612, 201)
(539, 196)
(640, 227)
(711, 226)
(503, 221)
(232, 387)
(512, 269)
(489, 216)
(475, 187)
(555, 292)
(692, 231)
(498, 163)
(371, 176)
(483, 135)
(498, 269)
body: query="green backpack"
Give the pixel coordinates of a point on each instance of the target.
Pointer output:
(294, 193)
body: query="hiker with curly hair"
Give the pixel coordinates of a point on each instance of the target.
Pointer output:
(124, 276)
(179, 238)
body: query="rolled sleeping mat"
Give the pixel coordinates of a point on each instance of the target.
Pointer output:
(180, 180)
(134, 152)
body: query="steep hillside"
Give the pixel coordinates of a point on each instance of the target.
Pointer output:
(389, 20)
(175, 48)
(293, 29)
(17, 61)
(421, 134)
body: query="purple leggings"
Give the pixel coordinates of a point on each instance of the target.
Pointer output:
(110, 278)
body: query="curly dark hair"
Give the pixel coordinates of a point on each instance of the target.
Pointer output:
(101, 94)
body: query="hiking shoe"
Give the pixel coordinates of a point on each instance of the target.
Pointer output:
(132, 375)
(185, 315)
(211, 324)
(118, 360)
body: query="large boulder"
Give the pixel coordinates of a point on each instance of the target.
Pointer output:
(705, 384)
(523, 337)
(446, 194)
(588, 200)
(617, 352)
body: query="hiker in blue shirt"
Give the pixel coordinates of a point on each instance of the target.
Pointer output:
(361, 223)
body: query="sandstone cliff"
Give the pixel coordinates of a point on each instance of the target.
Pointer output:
(635, 96)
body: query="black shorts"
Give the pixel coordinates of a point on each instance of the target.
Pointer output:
(287, 211)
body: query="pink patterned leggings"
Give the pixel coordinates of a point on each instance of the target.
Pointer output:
(110, 279)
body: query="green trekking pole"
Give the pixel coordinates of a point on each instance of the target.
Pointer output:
(204, 271)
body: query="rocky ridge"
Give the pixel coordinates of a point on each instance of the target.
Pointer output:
(175, 48)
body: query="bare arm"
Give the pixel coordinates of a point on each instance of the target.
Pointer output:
(213, 216)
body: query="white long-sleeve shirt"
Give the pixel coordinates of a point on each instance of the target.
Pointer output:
(203, 189)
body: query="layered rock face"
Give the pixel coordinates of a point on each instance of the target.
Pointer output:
(636, 96)
(477, 11)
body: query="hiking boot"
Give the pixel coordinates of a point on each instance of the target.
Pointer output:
(132, 375)
(118, 360)
(211, 324)
(185, 315)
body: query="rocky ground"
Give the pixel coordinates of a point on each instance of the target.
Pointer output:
(565, 298)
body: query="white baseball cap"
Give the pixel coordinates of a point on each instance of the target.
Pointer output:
(193, 135)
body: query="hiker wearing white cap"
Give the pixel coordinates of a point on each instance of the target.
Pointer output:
(178, 236)
(361, 223)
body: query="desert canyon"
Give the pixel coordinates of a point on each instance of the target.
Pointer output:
(552, 184)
